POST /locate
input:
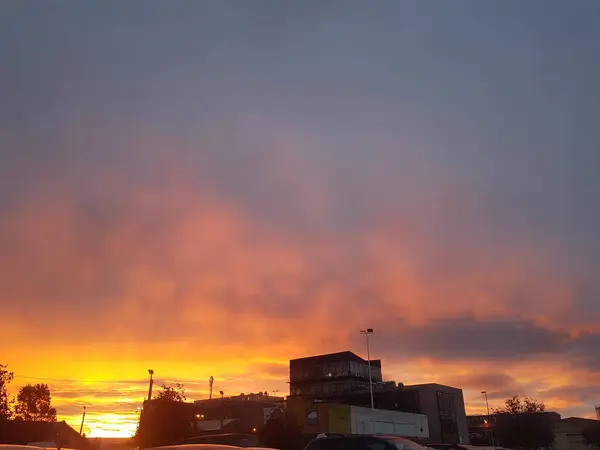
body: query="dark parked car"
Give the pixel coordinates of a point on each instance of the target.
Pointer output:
(235, 439)
(362, 442)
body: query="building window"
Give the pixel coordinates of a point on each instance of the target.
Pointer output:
(312, 417)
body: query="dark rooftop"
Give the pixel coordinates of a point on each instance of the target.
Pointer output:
(336, 357)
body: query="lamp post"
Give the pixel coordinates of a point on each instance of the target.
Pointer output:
(222, 411)
(368, 332)
(489, 419)
(151, 372)
(82, 420)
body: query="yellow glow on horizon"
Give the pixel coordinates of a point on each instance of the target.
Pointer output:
(99, 432)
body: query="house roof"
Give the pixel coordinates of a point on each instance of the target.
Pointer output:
(23, 432)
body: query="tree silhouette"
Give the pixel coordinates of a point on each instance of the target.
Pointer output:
(5, 378)
(172, 394)
(34, 404)
(282, 431)
(524, 424)
(164, 419)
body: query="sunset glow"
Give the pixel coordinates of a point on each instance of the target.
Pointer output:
(209, 190)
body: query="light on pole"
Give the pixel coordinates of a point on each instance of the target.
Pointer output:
(489, 419)
(368, 332)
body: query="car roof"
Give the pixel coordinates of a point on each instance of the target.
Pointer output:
(19, 447)
(197, 447)
(356, 436)
(261, 448)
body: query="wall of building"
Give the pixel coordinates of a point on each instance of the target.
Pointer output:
(569, 433)
(250, 412)
(336, 418)
(445, 409)
(397, 423)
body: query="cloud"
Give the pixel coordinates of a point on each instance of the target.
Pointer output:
(497, 385)
(584, 350)
(209, 190)
(467, 337)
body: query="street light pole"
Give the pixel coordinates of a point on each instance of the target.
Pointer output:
(222, 411)
(487, 405)
(367, 332)
(151, 372)
(82, 420)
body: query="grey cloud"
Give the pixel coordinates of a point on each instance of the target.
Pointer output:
(585, 349)
(467, 337)
(503, 339)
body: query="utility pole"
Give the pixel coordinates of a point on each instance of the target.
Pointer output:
(368, 332)
(151, 372)
(211, 380)
(82, 420)
(489, 421)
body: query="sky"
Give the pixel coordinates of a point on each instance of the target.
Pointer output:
(212, 188)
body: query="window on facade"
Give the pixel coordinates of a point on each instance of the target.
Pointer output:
(318, 389)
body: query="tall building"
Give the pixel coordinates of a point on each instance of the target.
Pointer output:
(443, 405)
(343, 379)
(332, 374)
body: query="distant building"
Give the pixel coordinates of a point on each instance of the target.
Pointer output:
(482, 428)
(332, 374)
(163, 423)
(244, 413)
(569, 433)
(21, 432)
(343, 378)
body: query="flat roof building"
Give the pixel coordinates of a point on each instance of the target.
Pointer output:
(332, 374)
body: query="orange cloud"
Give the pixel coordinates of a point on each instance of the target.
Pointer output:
(165, 271)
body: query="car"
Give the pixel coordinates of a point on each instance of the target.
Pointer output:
(362, 442)
(236, 439)
(261, 448)
(459, 447)
(19, 447)
(197, 447)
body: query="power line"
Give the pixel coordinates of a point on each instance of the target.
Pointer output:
(67, 380)
(26, 377)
